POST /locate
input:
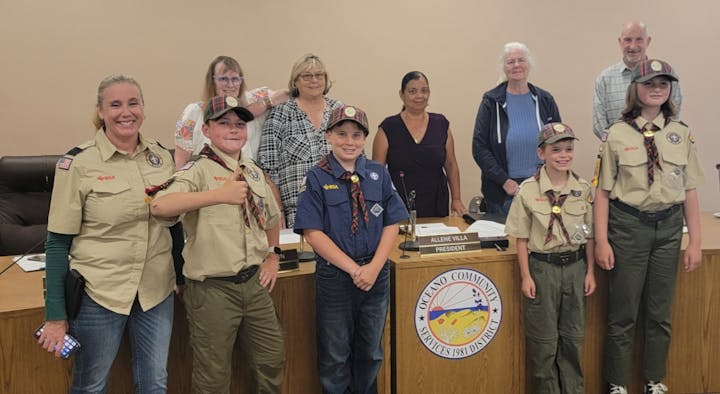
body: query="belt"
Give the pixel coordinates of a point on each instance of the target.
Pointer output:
(645, 216)
(241, 277)
(563, 258)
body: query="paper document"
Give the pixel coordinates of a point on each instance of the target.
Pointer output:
(435, 229)
(487, 228)
(31, 262)
(287, 236)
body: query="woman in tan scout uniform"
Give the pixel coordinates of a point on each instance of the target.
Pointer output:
(647, 178)
(100, 217)
(231, 219)
(551, 217)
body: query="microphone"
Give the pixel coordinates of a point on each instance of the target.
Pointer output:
(411, 245)
(29, 251)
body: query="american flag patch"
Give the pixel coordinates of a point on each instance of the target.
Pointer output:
(64, 163)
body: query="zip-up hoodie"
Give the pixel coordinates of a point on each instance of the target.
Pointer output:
(489, 137)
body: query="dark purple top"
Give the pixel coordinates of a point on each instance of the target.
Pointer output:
(422, 163)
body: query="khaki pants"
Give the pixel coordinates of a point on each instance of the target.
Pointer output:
(555, 326)
(219, 312)
(646, 259)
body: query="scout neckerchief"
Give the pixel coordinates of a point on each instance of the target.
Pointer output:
(653, 158)
(556, 203)
(356, 194)
(254, 209)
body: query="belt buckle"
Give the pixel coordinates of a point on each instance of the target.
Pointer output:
(564, 259)
(651, 216)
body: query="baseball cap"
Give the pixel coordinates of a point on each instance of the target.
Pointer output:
(220, 105)
(348, 112)
(651, 68)
(554, 132)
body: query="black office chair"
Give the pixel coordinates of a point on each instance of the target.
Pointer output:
(25, 187)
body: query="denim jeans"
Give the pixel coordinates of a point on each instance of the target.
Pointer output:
(499, 209)
(350, 325)
(100, 331)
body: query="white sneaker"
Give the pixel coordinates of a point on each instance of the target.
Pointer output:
(615, 389)
(655, 388)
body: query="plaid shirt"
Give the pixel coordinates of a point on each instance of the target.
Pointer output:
(290, 146)
(609, 100)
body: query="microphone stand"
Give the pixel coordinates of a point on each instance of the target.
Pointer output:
(412, 244)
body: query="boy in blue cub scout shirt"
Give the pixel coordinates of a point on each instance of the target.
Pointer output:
(551, 217)
(348, 210)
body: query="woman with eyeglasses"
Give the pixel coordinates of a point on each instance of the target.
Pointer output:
(506, 129)
(293, 137)
(419, 151)
(224, 77)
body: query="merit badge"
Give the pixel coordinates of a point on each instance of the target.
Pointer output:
(673, 137)
(153, 159)
(655, 65)
(556, 209)
(254, 175)
(576, 193)
(350, 111)
(559, 128)
(578, 236)
(231, 101)
(354, 178)
(376, 210)
(374, 176)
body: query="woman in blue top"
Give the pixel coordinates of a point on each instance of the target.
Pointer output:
(506, 129)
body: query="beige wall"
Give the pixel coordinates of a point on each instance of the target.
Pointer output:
(54, 53)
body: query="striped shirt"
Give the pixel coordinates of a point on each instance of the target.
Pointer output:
(609, 100)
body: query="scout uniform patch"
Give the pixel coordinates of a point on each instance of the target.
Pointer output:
(153, 159)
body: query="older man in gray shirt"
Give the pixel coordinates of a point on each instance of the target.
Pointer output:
(612, 83)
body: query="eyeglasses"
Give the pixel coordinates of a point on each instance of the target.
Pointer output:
(229, 80)
(511, 62)
(307, 77)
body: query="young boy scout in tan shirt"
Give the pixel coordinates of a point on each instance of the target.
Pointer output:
(551, 217)
(231, 254)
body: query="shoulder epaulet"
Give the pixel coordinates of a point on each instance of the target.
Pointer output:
(74, 151)
(191, 162)
(161, 145)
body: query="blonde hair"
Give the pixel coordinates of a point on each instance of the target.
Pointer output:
(104, 84)
(306, 62)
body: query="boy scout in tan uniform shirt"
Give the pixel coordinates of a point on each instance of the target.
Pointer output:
(218, 242)
(554, 230)
(227, 241)
(99, 195)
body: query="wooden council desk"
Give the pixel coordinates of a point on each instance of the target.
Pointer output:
(500, 367)
(694, 364)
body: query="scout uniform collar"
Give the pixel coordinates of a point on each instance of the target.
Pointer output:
(556, 200)
(546, 185)
(330, 165)
(107, 149)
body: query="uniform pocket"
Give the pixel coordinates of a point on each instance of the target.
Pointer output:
(113, 202)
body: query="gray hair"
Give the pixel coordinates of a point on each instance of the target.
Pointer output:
(511, 47)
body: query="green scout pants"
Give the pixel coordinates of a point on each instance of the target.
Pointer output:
(219, 312)
(555, 326)
(646, 259)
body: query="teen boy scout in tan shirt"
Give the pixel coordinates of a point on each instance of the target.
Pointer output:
(218, 241)
(623, 169)
(99, 195)
(554, 231)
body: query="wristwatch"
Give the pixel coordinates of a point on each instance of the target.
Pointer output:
(274, 249)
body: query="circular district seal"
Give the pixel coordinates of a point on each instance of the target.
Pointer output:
(458, 313)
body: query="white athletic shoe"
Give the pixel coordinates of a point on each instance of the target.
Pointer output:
(655, 388)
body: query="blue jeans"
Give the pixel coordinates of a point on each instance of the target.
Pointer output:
(100, 331)
(350, 325)
(499, 209)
